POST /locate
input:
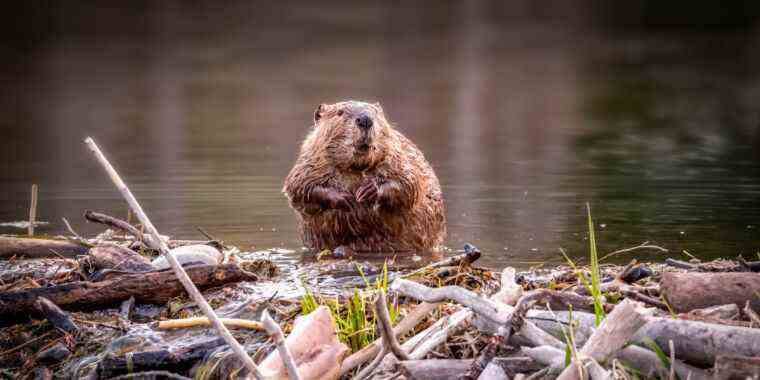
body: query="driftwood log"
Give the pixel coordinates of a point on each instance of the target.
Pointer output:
(695, 342)
(169, 359)
(450, 369)
(112, 256)
(151, 287)
(688, 291)
(737, 367)
(39, 248)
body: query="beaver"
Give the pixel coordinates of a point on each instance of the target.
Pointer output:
(359, 184)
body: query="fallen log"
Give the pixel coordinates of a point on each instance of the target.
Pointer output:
(695, 342)
(152, 287)
(169, 359)
(112, 256)
(39, 248)
(737, 368)
(608, 339)
(688, 291)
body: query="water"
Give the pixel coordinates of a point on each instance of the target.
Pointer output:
(525, 114)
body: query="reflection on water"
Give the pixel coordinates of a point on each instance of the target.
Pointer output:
(524, 115)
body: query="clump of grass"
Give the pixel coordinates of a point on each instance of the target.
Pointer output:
(594, 285)
(354, 320)
(596, 281)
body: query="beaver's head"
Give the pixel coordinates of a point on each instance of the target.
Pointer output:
(353, 134)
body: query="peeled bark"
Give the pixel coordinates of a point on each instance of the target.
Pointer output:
(151, 287)
(689, 291)
(38, 248)
(112, 256)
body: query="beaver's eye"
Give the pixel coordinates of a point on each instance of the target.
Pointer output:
(340, 113)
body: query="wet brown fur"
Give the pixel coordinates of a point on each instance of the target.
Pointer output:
(369, 191)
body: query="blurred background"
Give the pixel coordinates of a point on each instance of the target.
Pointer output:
(648, 110)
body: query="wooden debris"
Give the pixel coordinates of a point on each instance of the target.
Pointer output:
(56, 316)
(152, 287)
(611, 336)
(689, 291)
(737, 367)
(204, 322)
(112, 256)
(39, 248)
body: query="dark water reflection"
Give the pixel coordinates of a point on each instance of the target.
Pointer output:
(525, 115)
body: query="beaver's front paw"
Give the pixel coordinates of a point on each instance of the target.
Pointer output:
(339, 200)
(367, 192)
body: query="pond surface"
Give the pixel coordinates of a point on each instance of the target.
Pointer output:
(525, 115)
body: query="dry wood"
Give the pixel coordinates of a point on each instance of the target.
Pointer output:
(152, 287)
(112, 256)
(386, 329)
(470, 255)
(112, 222)
(434, 369)
(493, 371)
(611, 336)
(57, 317)
(275, 332)
(688, 291)
(695, 342)
(203, 321)
(38, 248)
(481, 306)
(407, 324)
(115, 364)
(184, 279)
(33, 210)
(737, 368)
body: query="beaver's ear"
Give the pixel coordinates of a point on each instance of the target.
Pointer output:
(318, 112)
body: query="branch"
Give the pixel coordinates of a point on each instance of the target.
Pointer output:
(161, 246)
(274, 331)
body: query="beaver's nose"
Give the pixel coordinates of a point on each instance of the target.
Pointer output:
(364, 122)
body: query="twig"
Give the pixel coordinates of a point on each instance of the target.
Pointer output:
(159, 244)
(77, 238)
(366, 371)
(384, 320)
(481, 306)
(672, 360)
(110, 221)
(644, 245)
(96, 323)
(645, 299)
(470, 255)
(205, 234)
(680, 264)
(275, 332)
(407, 324)
(203, 321)
(33, 210)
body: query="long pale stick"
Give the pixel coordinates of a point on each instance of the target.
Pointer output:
(159, 244)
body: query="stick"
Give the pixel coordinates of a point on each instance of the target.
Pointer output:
(203, 321)
(33, 210)
(384, 320)
(612, 334)
(159, 244)
(110, 221)
(274, 331)
(57, 317)
(470, 255)
(753, 317)
(644, 245)
(403, 327)
(481, 306)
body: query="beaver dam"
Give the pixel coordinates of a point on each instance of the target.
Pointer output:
(131, 303)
